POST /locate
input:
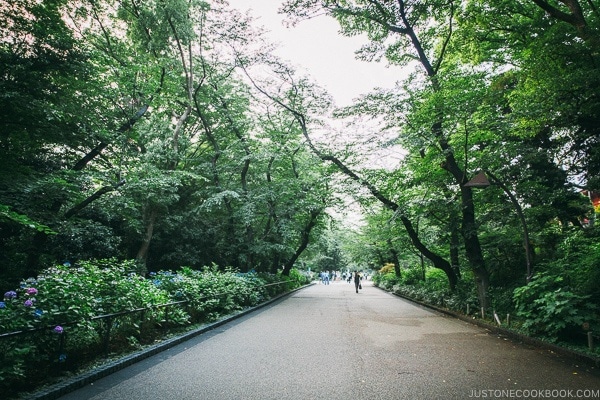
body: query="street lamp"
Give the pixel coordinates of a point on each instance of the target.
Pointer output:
(481, 181)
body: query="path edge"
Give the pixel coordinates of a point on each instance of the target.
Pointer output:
(563, 351)
(70, 385)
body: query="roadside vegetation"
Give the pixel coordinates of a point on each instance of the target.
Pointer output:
(554, 309)
(71, 318)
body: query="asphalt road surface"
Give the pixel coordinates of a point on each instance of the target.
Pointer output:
(327, 342)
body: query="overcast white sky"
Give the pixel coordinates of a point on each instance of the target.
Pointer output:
(327, 56)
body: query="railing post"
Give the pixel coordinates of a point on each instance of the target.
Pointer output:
(106, 338)
(497, 318)
(142, 318)
(61, 348)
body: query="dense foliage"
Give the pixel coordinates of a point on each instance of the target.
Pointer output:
(128, 129)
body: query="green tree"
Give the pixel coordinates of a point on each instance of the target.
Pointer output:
(147, 144)
(420, 32)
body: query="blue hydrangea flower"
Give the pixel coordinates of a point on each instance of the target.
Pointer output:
(2, 304)
(62, 358)
(10, 295)
(38, 313)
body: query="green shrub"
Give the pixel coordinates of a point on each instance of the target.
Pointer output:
(412, 275)
(576, 260)
(297, 278)
(551, 309)
(386, 281)
(464, 296)
(436, 279)
(211, 293)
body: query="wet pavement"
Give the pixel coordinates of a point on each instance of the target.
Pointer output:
(327, 342)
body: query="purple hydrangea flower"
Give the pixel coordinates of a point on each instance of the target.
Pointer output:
(10, 295)
(28, 303)
(58, 329)
(32, 291)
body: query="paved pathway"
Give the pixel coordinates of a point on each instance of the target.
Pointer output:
(327, 342)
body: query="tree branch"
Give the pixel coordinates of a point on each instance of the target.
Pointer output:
(99, 193)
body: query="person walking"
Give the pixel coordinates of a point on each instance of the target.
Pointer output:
(356, 280)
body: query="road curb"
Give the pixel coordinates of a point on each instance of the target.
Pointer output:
(62, 388)
(578, 356)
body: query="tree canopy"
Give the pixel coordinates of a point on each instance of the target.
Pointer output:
(506, 89)
(167, 132)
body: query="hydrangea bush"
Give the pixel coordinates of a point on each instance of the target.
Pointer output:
(60, 309)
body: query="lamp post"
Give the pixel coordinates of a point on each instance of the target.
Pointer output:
(481, 181)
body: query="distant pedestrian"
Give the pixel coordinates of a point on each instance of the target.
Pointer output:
(356, 281)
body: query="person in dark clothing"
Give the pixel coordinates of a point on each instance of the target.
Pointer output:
(356, 280)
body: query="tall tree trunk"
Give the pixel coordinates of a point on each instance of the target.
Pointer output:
(142, 254)
(469, 227)
(395, 259)
(305, 239)
(473, 247)
(454, 246)
(248, 254)
(529, 252)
